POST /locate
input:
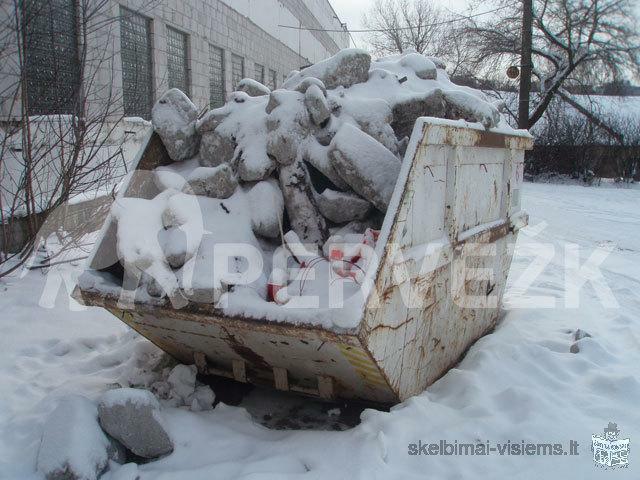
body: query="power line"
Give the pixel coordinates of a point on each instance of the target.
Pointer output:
(445, 22)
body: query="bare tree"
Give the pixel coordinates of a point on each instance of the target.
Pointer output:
(72, 145)
(422, 26)
(573, 41)
(403, 24)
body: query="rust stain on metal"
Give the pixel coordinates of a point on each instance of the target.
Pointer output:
(491, 140)
(245, 352)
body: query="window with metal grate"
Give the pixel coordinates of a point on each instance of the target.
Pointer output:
(237, 69)
(258, 73)
(51, 64)
(137, 66)
(177, 60)
(216, 77)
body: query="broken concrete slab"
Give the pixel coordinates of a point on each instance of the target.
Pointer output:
(213, 182)
(174, 118)
(132, 416)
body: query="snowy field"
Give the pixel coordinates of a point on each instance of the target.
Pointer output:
(519, 383)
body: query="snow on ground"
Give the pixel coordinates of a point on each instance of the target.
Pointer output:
(519, 383)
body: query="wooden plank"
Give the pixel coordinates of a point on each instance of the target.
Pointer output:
(281, 378)
(239, 370)
(325, 387)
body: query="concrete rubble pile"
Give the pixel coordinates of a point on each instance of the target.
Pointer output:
(318, 158)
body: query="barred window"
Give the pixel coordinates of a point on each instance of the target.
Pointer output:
(51, 64)
(237, 69)
(216, 77)
(177, 60)
(137, 67)
(273, 79)
(258, 73)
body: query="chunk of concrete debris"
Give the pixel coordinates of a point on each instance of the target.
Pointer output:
(252, 87)
(405, 113)
(174, 118)
(440, 65)
(182, 380)
(342, 207)
(471, 108)
(132, 416)
(346, 68)
(255, 164)
(202, 399)
(73, 445)
(424, 68)
(288, 125)
(153, 287)
(307, 82)
(177, 248)
(266, 206)
(317, 105)
(210, 121)
(366, 165)
(213, 182)
(216, 149)
(299, 201)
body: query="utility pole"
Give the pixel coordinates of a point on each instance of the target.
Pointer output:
(525, 64)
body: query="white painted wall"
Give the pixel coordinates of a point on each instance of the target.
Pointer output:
(269, 14)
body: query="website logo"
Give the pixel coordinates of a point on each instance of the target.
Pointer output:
(609, 451)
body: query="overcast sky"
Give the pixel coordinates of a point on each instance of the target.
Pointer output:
(350, 11)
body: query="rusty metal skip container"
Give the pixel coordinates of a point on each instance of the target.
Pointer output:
(456, 206)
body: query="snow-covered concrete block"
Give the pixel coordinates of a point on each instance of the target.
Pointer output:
(405, 112)
(266, 206)
(471, 108)
(299, 201)
(174, 118)
(214, 182)
(317, 105)
(132, 416)
(177, 251)
(210, 120)
(342, 207)
(252, 87)
(304, 85)
(73, 445)
(346, 68)
(216, 149)
(182, 381)
(365, 164)
(424, 68)
(202, 399)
